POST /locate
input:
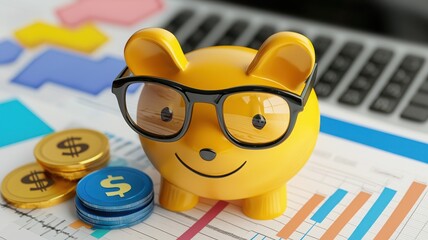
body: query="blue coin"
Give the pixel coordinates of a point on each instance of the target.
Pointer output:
(116, 226)
(116, 221)
(111, 218)
(115, 189)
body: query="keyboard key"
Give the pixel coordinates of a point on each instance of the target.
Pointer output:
(237, 27)
(196, 37)
(179, 20)
(200, 33)
(424, 87)
(209, 23)
(401, 77)
(186, 47)
(341, 63)
(412, 63)
(384, 104)
(323, 89)
(330, 76)
(232, 34)
(393, 90)
(420, 99)
(415, 113)
(255, 44)
(321, 44)
(352, 97)
(382, 56)
(226, 40)
(361, 83)
(265, 32)
(371, 70)
(352, 49)
(262, 34)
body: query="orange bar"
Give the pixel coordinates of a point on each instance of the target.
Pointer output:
(300, 216)
(78, 224)
(346, 215)
(403, 208)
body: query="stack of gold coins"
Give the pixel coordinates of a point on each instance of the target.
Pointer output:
(73, 153)
(62, 157)
(30, 186)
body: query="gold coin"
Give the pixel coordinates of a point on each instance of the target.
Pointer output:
(30, 186)
(75, 175)
(72, 149)
(101, 162)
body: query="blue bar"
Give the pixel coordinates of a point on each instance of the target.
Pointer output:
(328, 205)
(381, 140)
(373, 214)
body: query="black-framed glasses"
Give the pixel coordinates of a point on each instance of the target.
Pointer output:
(249, 116)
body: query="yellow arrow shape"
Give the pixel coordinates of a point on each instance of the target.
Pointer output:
(86, 38)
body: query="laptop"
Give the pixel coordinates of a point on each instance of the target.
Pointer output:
(371, 54)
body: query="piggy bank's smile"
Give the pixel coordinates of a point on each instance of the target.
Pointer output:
(208, 175)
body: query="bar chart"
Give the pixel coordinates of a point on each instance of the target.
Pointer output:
(405, 205)
(330, 202)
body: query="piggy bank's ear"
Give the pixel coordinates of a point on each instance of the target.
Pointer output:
(154, 51)
(285, 57)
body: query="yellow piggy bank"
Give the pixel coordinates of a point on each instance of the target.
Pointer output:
(222, 122)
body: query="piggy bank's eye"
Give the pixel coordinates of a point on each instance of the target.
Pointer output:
(166, 114)
(160, 110)
(259, 121)
(256, 117)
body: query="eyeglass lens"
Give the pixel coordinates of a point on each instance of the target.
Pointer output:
(156, 108)
(256, 117)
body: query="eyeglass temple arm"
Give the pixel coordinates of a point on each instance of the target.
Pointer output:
(310, 82)
(124, 73)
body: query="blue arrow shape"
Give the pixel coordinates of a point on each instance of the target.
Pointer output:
(70, 70)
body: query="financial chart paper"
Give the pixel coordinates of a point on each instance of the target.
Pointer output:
(365, 180)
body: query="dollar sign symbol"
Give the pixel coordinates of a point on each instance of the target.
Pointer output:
(42, 183)
(123, 187)
(74, 149)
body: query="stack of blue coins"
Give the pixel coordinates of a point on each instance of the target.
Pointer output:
(114, 197)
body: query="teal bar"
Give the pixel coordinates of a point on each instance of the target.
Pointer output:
(99, 233)
(18, 123)
(329, 205)
(373, 214)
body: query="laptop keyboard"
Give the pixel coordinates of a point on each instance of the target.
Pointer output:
(389, 94)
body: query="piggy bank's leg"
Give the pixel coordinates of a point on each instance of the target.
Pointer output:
(176, 199)
(266, 206)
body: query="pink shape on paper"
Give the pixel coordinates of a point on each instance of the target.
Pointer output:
(123, 12)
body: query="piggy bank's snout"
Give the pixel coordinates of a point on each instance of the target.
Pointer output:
(207, 154)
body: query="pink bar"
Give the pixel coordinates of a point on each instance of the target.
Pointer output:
(203, 221)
